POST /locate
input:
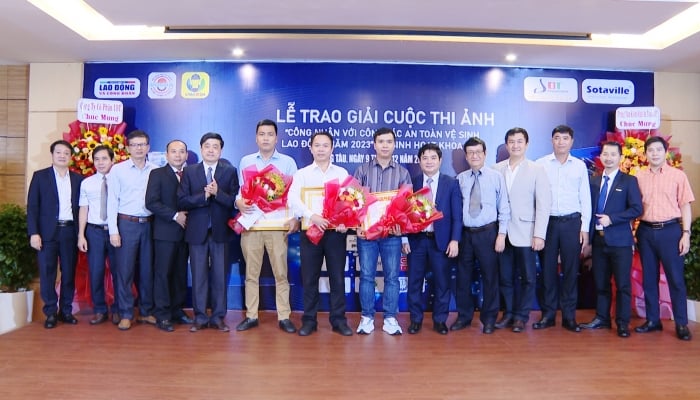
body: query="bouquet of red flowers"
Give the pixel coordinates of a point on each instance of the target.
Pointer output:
(266, 189)
(411, 211)
(84, 137)
(343, 204)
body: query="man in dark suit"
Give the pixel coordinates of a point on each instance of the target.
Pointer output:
(52, 225)
(438, 245)
(207, 192)
(617, 201)
(170, 264)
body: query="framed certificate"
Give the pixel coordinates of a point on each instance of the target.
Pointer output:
(312, 197)
(377, 209)
(261, 221)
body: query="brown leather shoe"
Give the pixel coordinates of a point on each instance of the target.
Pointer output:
(149, 319)
(98, 319)
(124, 324)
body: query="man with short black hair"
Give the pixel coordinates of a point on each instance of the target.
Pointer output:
(52, 215)
(207, 192)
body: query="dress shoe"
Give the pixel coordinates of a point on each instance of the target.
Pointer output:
(287, 325)
(489, 328)
(196, 326)
(50, 322)
(683, 332)
(98, 319)
(147, 319)
(623, 331)
(571, 325)
(518, 326)
(343, 329)
(649, 326)
(307, 328)
(460, 324)
(247, 324)
(544, 323)
(596, 323)
(414, 327)
(116, 318)
(183, 320)
(220, 325)
(165, 325)
(504, 322)
(440, 327)
(124, 324)
(67, 318)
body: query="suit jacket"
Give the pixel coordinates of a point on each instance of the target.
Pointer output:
(530, 198)
(161, 200)
(42, 202)
(448, 200)
(623, 205)
(217, 209)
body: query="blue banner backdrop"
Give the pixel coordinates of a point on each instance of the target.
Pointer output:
(422, 103)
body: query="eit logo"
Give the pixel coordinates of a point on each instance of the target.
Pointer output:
(195, 85)
(547, 85)
(550, 89)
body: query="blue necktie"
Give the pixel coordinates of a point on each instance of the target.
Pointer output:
(603, 195)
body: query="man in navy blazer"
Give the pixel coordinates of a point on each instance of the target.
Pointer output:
(170, 263)
(207, 192)
(616, 201)
(52, 225)
(437, 246)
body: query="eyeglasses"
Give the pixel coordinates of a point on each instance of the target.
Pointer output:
(138, 145)
(472, 153)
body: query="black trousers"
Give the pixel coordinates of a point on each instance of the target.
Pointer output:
(169, 278)
(332, 248)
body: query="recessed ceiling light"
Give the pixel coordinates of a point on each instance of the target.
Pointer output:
(510, 57)
(237, 52)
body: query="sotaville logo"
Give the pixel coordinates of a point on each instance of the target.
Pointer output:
(161, 85)
(195, 85)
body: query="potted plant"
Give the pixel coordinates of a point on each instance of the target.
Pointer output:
(692, 272)
(17, 269)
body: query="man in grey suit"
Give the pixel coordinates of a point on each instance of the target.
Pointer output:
(530, 199)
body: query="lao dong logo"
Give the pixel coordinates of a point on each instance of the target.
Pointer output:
(116, 88)
(607, 91)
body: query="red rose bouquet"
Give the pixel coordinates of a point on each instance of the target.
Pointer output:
(411, 211)
(266, 189)
(343, 204)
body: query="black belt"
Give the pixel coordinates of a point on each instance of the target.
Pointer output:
(427, 234)
(482, 228)
(132, 218)
(64, 222)
(100, 227)
(600, 233)
(662, 224)
(566, 217)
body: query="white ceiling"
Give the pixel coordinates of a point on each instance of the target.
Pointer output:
(29, 35)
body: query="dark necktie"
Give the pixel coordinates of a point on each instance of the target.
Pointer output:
(103, 199)
(475, 197)
(179, 175)
(602, 196)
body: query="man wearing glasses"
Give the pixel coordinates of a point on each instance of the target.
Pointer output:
(129, 224)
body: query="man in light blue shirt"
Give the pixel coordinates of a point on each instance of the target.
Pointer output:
(130, 231)
(255, 243)
(567, 231)
(485, 216)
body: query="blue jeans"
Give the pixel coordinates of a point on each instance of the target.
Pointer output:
(390, 251)
(99, 250)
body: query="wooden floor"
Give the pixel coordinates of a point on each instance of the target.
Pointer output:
(100, 362)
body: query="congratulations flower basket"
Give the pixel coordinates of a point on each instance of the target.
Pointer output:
(266, 189)
(411, 211)
(343, 204)
(84, 137)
